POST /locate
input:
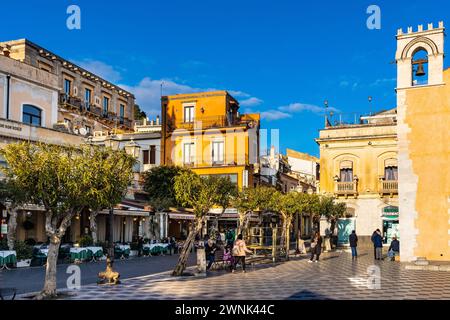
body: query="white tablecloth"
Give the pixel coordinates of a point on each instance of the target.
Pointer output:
(94, 249)
(123, 246)
(44, 251)
(6, 253)
(153, 245)
(77, 250)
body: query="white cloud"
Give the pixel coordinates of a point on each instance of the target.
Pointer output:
(101, 69)
(148, 91)
(383, 81)
(274, 115)
(253, 101)
(300, 107)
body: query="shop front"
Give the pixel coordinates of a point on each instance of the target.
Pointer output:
(179, 225)
(390, 223)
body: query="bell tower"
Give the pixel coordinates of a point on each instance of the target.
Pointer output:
(429, 43)
(421, 104)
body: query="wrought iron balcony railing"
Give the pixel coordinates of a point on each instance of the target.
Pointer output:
(205, 123)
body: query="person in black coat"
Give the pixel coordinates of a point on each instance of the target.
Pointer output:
(353, 239)
(316, 247)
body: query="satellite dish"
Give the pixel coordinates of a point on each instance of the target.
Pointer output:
(82, 131)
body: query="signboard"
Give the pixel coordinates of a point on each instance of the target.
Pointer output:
(390, 210)
(4, 229)
(345, 228)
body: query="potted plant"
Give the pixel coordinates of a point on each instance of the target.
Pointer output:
(85, 241)
(24, 254)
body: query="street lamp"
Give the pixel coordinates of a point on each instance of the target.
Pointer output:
(132, 148)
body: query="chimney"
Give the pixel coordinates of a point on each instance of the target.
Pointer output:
(157, 121)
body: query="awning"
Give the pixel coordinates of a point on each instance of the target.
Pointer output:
(181, 216)
(134, 213)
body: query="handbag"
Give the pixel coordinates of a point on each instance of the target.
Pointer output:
(235, 250)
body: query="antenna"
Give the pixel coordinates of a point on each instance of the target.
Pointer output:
(369, 98)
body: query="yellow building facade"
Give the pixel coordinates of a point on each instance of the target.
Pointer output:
(358, 165)
(423, 102)
(205, 132)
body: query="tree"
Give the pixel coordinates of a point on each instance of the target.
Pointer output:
(159, 184)
(251, 200)
(138, 113)
(12, 200)
(59, 178)
(201, 194)
(109, 181)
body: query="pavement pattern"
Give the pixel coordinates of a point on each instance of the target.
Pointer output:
(335, 276)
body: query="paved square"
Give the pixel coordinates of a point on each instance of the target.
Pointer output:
(336, 276)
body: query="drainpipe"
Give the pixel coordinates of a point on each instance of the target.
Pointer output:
(8, 79)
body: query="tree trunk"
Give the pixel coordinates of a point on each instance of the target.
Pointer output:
(288, 236)
(93, 226)
(283, 233)
(49, 290)
(12, 226)
(182, 260)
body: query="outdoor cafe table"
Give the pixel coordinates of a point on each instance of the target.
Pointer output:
(152, 246)
(125, 248)
(97, 252)
(78, 254)
(7, 256)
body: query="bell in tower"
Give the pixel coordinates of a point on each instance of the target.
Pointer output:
(420, 72)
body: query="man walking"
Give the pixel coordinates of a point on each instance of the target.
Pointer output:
(353, 239)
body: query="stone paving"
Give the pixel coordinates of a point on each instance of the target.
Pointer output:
(336, 276)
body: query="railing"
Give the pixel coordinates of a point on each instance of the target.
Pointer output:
(346, 188)
(389, 187)
(205, 123)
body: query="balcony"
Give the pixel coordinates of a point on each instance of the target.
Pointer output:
(71, 103)
(346, 188)
(206, 123)
(388, 187)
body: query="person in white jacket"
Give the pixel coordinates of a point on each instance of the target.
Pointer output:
(239, 251)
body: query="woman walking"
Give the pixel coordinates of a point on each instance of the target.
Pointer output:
(239, 251)
(316, 247)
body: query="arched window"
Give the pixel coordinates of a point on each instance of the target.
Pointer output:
(346, 171)
(419, 67)
(31, 115)
(390, 169)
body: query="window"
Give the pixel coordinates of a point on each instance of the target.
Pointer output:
(346, 175)
(67, 86)
(149, 156)
(105, 105)
(391, 173)
(145, 156)
(87, 98)
(189, 153)
(88, 129)
(346, 171)
(152, 154)
(122, 113)
(217, 152)
(189, 114)
(31, 115)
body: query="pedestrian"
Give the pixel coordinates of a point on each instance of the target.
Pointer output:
(239, 251)
(140, 245)
(210, 251)
(316, 247)
(377, 240)
(394, 248)
(353, 239)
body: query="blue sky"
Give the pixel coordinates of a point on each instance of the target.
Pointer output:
(280, 58)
